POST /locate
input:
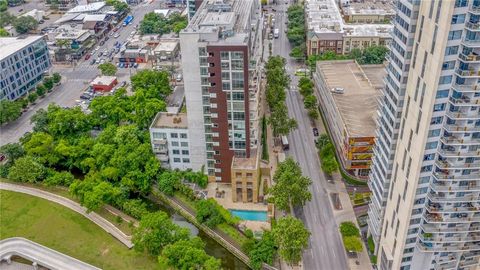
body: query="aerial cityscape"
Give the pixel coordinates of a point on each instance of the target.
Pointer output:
(240, 134)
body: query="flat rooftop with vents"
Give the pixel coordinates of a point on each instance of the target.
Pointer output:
(170, 120)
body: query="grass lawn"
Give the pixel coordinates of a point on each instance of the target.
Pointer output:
(59, 228)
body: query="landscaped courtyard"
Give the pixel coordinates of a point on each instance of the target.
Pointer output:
(59, 228)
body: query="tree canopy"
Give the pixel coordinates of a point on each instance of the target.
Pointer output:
(208, 213)
(25, 24)
(291, 187)
(118, 5)
(263, 251)
(189, 254)
(9, 111)
(154, 23)
(107, 69)
(291, 237)
(155, 232)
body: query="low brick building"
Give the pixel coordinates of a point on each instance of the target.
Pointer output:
(104, 83)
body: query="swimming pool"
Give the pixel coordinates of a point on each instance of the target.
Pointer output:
(250, 214)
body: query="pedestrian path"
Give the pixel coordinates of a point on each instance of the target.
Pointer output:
(94, 217)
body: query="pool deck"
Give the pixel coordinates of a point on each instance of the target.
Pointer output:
(226, 202)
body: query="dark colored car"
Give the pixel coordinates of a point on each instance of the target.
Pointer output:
(92, 62)
(102, 43)
(315, 132)
(87, 56)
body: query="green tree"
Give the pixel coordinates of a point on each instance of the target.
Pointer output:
(179, 26)
(322, 141)
(352, 243)
(56, 77)
(372, 55)
(93, 193)
(135, 208)
(291, 238)
(48, 82)
(59, 179)
(6, 18)
(107, 69)
(32, 97)
(156, 231)
(313, 113)
(12, 151)
(263, 251)
(9, 111)
(27, 169)
(298, 51)
(3, 5)
(310, 102)
(168, 182)
(291, 188)
(25, 24)
(40, 90)
(280, 122)
(118, 5)
(208, 213)
(40, 120)
(41, 146)
(146, 108)
(348, 228)
(4, 33)
(189, 254)
(155, 83)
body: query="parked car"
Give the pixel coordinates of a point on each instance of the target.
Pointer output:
(126, 65)
(102, 61)
(86, 96)
(107, 38)
(121, 65)
(116, 35)
(93, 62)
(2, 157)
(135, 65)
(102, 43)
(97, 48)
(179, 77)
(123, 84)
(315, 132)
(87, 56)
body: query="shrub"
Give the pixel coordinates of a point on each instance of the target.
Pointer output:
(32, 97)
(348, 228)
(48, 82)
(59, 178)
(41, 90)
(56, 77)
(208, 212)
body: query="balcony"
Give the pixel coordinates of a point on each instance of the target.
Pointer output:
(449, 187)
(453, 140)
(445, 266)
(472, 26)
(437, 238)
(464, 101)
(160, 150)
(450, 209)
(163, 158)
(466, 88)
(462, 115)
(429, 247)
(462, 129)
(472, 43)
(439, 176)
(438, 218)
(437, 198)
(459, 228)
(442, 164)
(471, 58)
(474, 10)
(455, 153)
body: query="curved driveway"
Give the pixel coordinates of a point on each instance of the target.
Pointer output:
(94, 217)
(40, 255)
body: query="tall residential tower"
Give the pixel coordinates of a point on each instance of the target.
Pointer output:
(425, 212)
(220, 55)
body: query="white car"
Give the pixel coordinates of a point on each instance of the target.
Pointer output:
(116, 35)
(97, 48)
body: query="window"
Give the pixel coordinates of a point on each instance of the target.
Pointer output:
(442, 93)
(459, 18)
(453, 35)
(448, 65)
(451, 50)
(434, 133)
(431, 145)
(176, 160)
(186, 160)
(439, 107)
(436, 120)
(445, 79)
(185, 152)
(409, 258)
(174, 143)
(184, 144)
(183, 135)
(173, 135)
(176, 152)
(224, 55)
(159, 135)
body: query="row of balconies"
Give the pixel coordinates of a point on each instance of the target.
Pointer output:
(454, 140)
(450, 187)
(471, 58)
(460, 247)
(442, 228)
(466, 88)
(442, 176)
(438, 208)
(448, 164)
(458, 238)
(473, 26)
(452, 152)
(461, 128)
(460, 218)
(464, 101)
(465, 114)
(443, 197)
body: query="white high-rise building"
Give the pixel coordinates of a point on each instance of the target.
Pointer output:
(425, 211)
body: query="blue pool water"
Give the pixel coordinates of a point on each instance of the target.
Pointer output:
(250, 215)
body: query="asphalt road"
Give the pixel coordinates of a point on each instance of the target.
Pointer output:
(75, 80)
(326, 251)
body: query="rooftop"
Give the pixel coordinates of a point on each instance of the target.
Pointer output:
(103, 80)
(167, 45)
(358, 103)
(10, 45)
(170, 120)
(369, 7)
(324, 17)
(230, 19)
(92, 7)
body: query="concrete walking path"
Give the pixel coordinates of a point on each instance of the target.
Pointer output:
(39, 255)
(94, 217)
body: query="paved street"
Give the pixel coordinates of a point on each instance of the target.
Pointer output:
(326, 250)
(75, 80)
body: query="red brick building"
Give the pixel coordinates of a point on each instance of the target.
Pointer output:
(104, 83)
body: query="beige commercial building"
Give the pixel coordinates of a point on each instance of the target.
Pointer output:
(348, 100)
(431, 214)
